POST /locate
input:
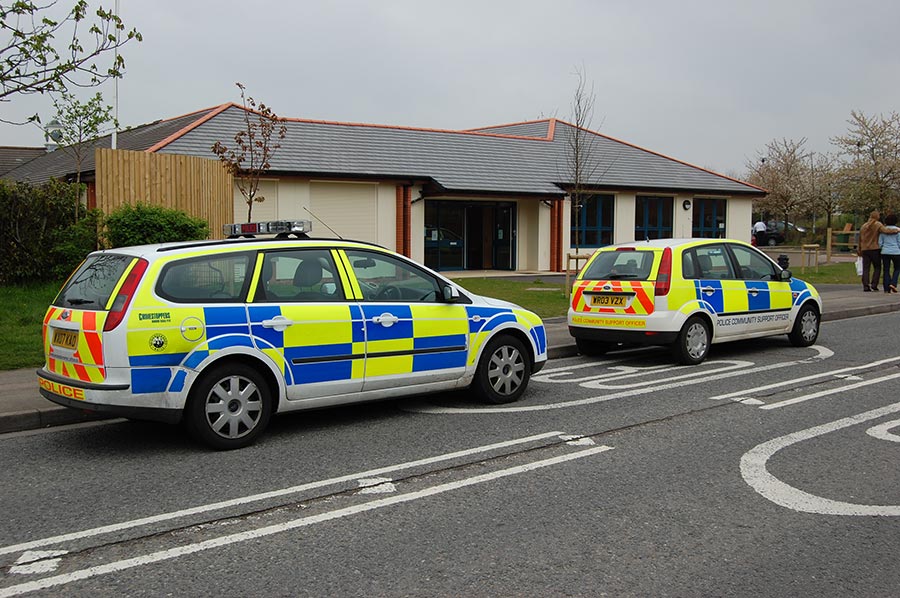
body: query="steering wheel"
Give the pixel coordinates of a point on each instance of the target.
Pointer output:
(388, 293)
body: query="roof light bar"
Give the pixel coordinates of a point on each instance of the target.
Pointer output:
(272, 227)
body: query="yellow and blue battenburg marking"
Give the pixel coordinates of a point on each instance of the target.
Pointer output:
(328, 342)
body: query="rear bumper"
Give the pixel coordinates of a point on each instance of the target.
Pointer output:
(629, 337)
(80, 395)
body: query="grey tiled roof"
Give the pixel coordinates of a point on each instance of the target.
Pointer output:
(462, 161)
(13, 157)
(61, 163)
(515, 159)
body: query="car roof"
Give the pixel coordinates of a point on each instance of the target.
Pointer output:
(672, 243)
(157, 250)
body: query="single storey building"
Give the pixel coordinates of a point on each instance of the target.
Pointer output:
(493, 198)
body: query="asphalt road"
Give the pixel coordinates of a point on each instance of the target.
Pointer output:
(767, 470)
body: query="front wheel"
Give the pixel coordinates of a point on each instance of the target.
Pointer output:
(503, 371)
(229, 407)
(806, 327)
(692, 345)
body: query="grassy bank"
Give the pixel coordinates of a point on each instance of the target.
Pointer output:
(24, 307)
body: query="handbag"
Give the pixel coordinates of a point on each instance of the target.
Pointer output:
(859, 266)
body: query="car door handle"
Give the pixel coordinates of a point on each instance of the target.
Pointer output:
(708, 290)
(754, 292)
(386, 319)
(279, 323)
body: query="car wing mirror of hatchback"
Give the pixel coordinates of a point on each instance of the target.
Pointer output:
(451, 295)
(785, 275)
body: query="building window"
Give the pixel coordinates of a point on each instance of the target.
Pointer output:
(653, 217)
(592, 221)
(709, 218)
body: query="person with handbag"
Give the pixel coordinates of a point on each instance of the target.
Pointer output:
(870, 251)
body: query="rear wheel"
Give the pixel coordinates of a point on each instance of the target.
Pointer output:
(806, 327)
(504, 370)
(590, 348)
(692, 345)
(230, 406)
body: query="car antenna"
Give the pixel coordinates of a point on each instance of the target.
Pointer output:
(325, 224)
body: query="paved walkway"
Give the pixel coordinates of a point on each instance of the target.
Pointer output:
(23, 408)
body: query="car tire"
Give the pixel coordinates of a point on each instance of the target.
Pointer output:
(692, 345)
(503, 371)
(591, 348)
(806, 327)
(229, 407)
(772, 241)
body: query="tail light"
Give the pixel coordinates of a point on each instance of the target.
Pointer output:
(664, 275)
(123, 297)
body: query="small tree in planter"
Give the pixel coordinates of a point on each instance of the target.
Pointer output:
(254, 145)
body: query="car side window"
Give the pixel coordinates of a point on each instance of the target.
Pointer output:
(211, 278)
(752, 264)
(383, 277)
(298, 275)
(710, 262)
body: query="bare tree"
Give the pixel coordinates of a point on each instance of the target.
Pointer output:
(254, 146)
(580, 166)
(31, 60)
(871, 161)
(824, 186)
(781, 169)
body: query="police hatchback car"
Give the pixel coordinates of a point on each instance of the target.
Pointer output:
(224, 334)
(688, 294)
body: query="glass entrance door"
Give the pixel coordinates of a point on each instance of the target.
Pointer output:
(445, 234)
(504, 237)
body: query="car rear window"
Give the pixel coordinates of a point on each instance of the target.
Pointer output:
(93, 282)
(620, 265)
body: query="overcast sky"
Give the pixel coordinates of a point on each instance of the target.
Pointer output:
(709, 82)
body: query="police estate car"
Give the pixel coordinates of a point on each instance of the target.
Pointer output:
(688, 294)
(223, 334)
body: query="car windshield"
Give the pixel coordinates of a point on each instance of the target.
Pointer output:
(617, 265)
(94, 282)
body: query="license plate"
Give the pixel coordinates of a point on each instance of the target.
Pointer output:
(68, 339)
(610, 300)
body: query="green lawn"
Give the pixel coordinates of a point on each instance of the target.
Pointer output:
(25, 306)
(21, 319)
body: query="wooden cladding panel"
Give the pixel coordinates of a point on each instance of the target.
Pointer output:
(197, 186)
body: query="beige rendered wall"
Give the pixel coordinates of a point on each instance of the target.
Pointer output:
(739, 218)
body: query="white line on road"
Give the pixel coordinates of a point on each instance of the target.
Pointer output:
(180, 551)
(115, 527)
(754, 472)
(793, 382)
(881, 431)
(831, 391)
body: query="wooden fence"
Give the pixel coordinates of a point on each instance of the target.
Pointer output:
(197, 186)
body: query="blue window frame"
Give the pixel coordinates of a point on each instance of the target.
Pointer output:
(709, 218)
(592, 220)
(653, 217)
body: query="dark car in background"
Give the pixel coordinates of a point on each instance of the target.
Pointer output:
(775, 232)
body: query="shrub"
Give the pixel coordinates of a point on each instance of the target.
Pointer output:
(141, 224)
(33, 221)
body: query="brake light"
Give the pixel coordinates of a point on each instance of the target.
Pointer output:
(664, 276)
(123, 298)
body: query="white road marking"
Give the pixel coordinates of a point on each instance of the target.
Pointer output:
(742, 395)
(37, 561)
(179, 551)
(881, 431)
(115, 527)
(377, 486)
(754, 472)
(825, 393)
(573, 440)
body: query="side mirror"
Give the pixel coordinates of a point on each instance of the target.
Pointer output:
(451, 295)
(785, 275)
(329, 288)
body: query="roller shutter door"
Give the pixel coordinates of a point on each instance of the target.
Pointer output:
(350, 209)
